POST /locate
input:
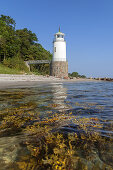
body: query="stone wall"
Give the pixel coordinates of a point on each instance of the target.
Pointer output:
(59, 69)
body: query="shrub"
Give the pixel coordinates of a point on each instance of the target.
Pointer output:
(16, 63)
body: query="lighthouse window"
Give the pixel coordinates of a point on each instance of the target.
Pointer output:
(60, 36)
(55, 49)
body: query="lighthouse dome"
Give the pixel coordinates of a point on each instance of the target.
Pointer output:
(59, 36)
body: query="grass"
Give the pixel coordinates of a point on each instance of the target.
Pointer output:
(7, 70)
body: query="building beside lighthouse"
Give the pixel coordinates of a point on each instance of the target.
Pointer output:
(59, 64)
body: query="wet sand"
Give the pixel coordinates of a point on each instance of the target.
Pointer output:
(15, 81)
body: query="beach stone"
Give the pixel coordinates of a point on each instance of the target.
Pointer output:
(106, 153)
(91, 161)
(9, 147)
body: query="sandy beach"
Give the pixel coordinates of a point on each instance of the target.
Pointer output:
(12, 81)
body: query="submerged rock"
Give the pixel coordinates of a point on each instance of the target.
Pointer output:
(9, 149)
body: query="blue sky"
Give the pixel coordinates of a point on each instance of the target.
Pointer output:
(88, 25)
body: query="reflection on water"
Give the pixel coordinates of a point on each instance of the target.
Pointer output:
(83, 110)
(59, 96)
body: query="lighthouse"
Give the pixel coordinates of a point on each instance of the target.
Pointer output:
(59, 64)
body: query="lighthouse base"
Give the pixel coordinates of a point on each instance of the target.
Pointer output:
(59, 69)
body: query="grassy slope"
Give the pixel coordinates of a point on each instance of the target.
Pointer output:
(7, 70)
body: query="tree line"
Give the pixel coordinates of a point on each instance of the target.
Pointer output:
(20, 45)
(76, 74)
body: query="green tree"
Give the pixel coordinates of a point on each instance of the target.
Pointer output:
(8, 21)
(2, 48)
(20, 44)
(7, 37)
(75, 74)
(82, 76)
(26, 40)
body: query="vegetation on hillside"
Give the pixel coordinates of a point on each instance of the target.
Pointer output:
(7, 70)
(17, 46)
(76, 74)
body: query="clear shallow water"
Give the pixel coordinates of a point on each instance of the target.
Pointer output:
(76, 104)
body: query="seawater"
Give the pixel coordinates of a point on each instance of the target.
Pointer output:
(69, 105)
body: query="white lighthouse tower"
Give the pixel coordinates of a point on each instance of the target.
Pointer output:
(59, 65)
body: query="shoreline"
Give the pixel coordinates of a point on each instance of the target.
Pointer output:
(16, 81)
